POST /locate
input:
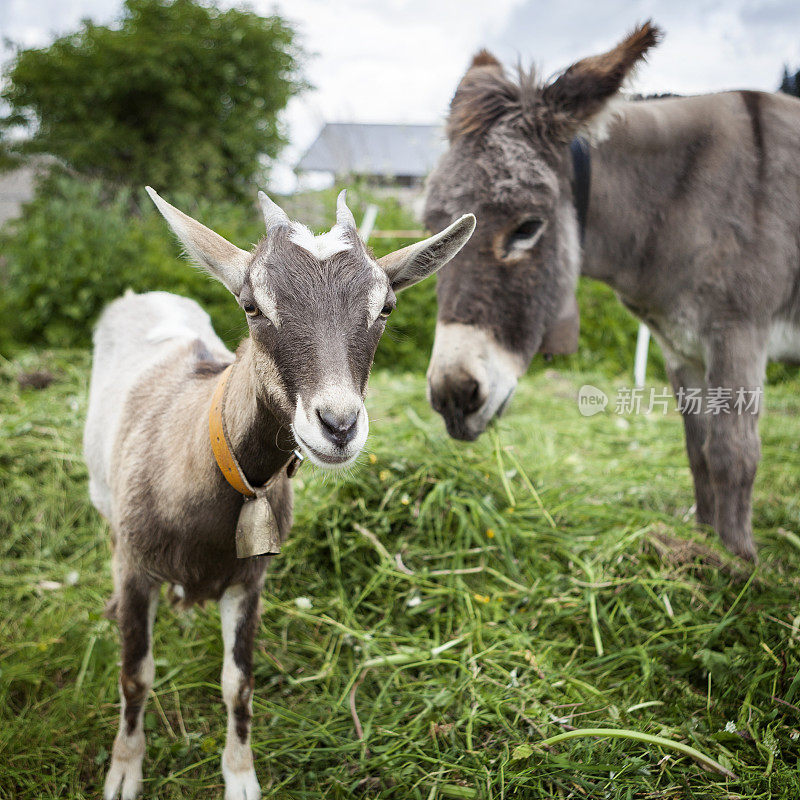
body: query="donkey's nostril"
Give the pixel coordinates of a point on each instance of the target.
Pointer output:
(467, 394)
(338, 428)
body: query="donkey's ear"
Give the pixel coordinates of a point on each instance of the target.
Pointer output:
(410, 265)
(224, 261)
(469, 105)
(582, 90)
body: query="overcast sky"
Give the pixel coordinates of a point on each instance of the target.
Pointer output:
(399, 60)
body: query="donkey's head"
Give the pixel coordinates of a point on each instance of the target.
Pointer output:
(316, 307)
(510, 293)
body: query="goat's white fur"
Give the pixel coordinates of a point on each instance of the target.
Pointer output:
(124, 778)
(322, 246)
(241, 782)
(377, 295)
(337, 399)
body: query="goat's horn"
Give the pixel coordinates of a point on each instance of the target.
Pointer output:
(273, 213)
(344, 216)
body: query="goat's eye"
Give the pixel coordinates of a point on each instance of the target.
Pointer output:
(251, 309)
(385, 311)
(524, 236)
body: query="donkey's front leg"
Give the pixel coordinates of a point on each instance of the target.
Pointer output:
(239, 614)
(135, 612)
(736, 364)
(687, 382)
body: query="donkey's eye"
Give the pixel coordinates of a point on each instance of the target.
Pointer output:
(524, 236)
(385, 311)
(251, 309)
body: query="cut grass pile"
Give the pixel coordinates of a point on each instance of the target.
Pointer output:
(436, 616)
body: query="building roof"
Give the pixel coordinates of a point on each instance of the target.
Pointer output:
(371, 149)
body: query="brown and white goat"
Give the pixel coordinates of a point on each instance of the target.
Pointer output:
(316, 307)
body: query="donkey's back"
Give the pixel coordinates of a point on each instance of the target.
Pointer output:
(135, 333)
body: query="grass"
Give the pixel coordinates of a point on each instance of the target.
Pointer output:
(530, 616)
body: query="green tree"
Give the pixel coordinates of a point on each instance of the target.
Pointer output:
(179, 94)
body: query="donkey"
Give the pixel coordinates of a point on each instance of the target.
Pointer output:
(179, 431)
(692, 215)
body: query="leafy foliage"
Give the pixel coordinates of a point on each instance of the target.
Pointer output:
(78, 246)
(181, 96)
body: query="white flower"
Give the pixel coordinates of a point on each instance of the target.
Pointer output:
(730, 727)
(303, 603)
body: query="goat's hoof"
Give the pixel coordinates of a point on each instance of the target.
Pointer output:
(124, 780)
(241, 785)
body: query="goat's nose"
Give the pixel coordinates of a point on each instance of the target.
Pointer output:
(338, 428)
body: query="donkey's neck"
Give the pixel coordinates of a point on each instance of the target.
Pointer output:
(639, 172)
(258, 433)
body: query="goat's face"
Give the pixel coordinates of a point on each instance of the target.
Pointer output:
(316, 307)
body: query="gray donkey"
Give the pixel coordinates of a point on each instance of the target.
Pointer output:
(692, 215)
(190, 449)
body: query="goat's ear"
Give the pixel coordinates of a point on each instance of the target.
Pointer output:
(410, 265)
(224, 261)
(582, 91)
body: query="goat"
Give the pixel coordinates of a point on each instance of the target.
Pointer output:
(163, 385)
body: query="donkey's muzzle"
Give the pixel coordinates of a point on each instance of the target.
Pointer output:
(457, 397)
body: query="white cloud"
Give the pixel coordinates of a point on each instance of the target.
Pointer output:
(400, 60)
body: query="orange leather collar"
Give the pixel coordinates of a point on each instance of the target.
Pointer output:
(226, 460)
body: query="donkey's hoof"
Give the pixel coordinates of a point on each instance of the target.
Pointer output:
(124, 780)
(745, 549)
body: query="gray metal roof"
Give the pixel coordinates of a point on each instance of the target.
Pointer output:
(371, 149)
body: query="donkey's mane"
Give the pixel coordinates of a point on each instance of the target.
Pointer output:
(487, 95)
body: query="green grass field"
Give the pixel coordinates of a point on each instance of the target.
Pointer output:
(467, 603)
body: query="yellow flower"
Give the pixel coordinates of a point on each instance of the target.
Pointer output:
(384, 475)
(481, 598)
(490, 533)
(373, 459)
(405, 499)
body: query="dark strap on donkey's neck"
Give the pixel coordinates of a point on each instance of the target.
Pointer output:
(581, 180)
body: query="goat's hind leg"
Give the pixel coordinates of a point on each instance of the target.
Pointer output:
(137, 600)
(239, 615)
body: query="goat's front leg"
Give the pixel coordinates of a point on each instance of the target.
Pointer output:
(136, 610)
(736, 364)
(239, 614)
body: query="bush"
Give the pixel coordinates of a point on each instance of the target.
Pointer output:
(77, 247)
